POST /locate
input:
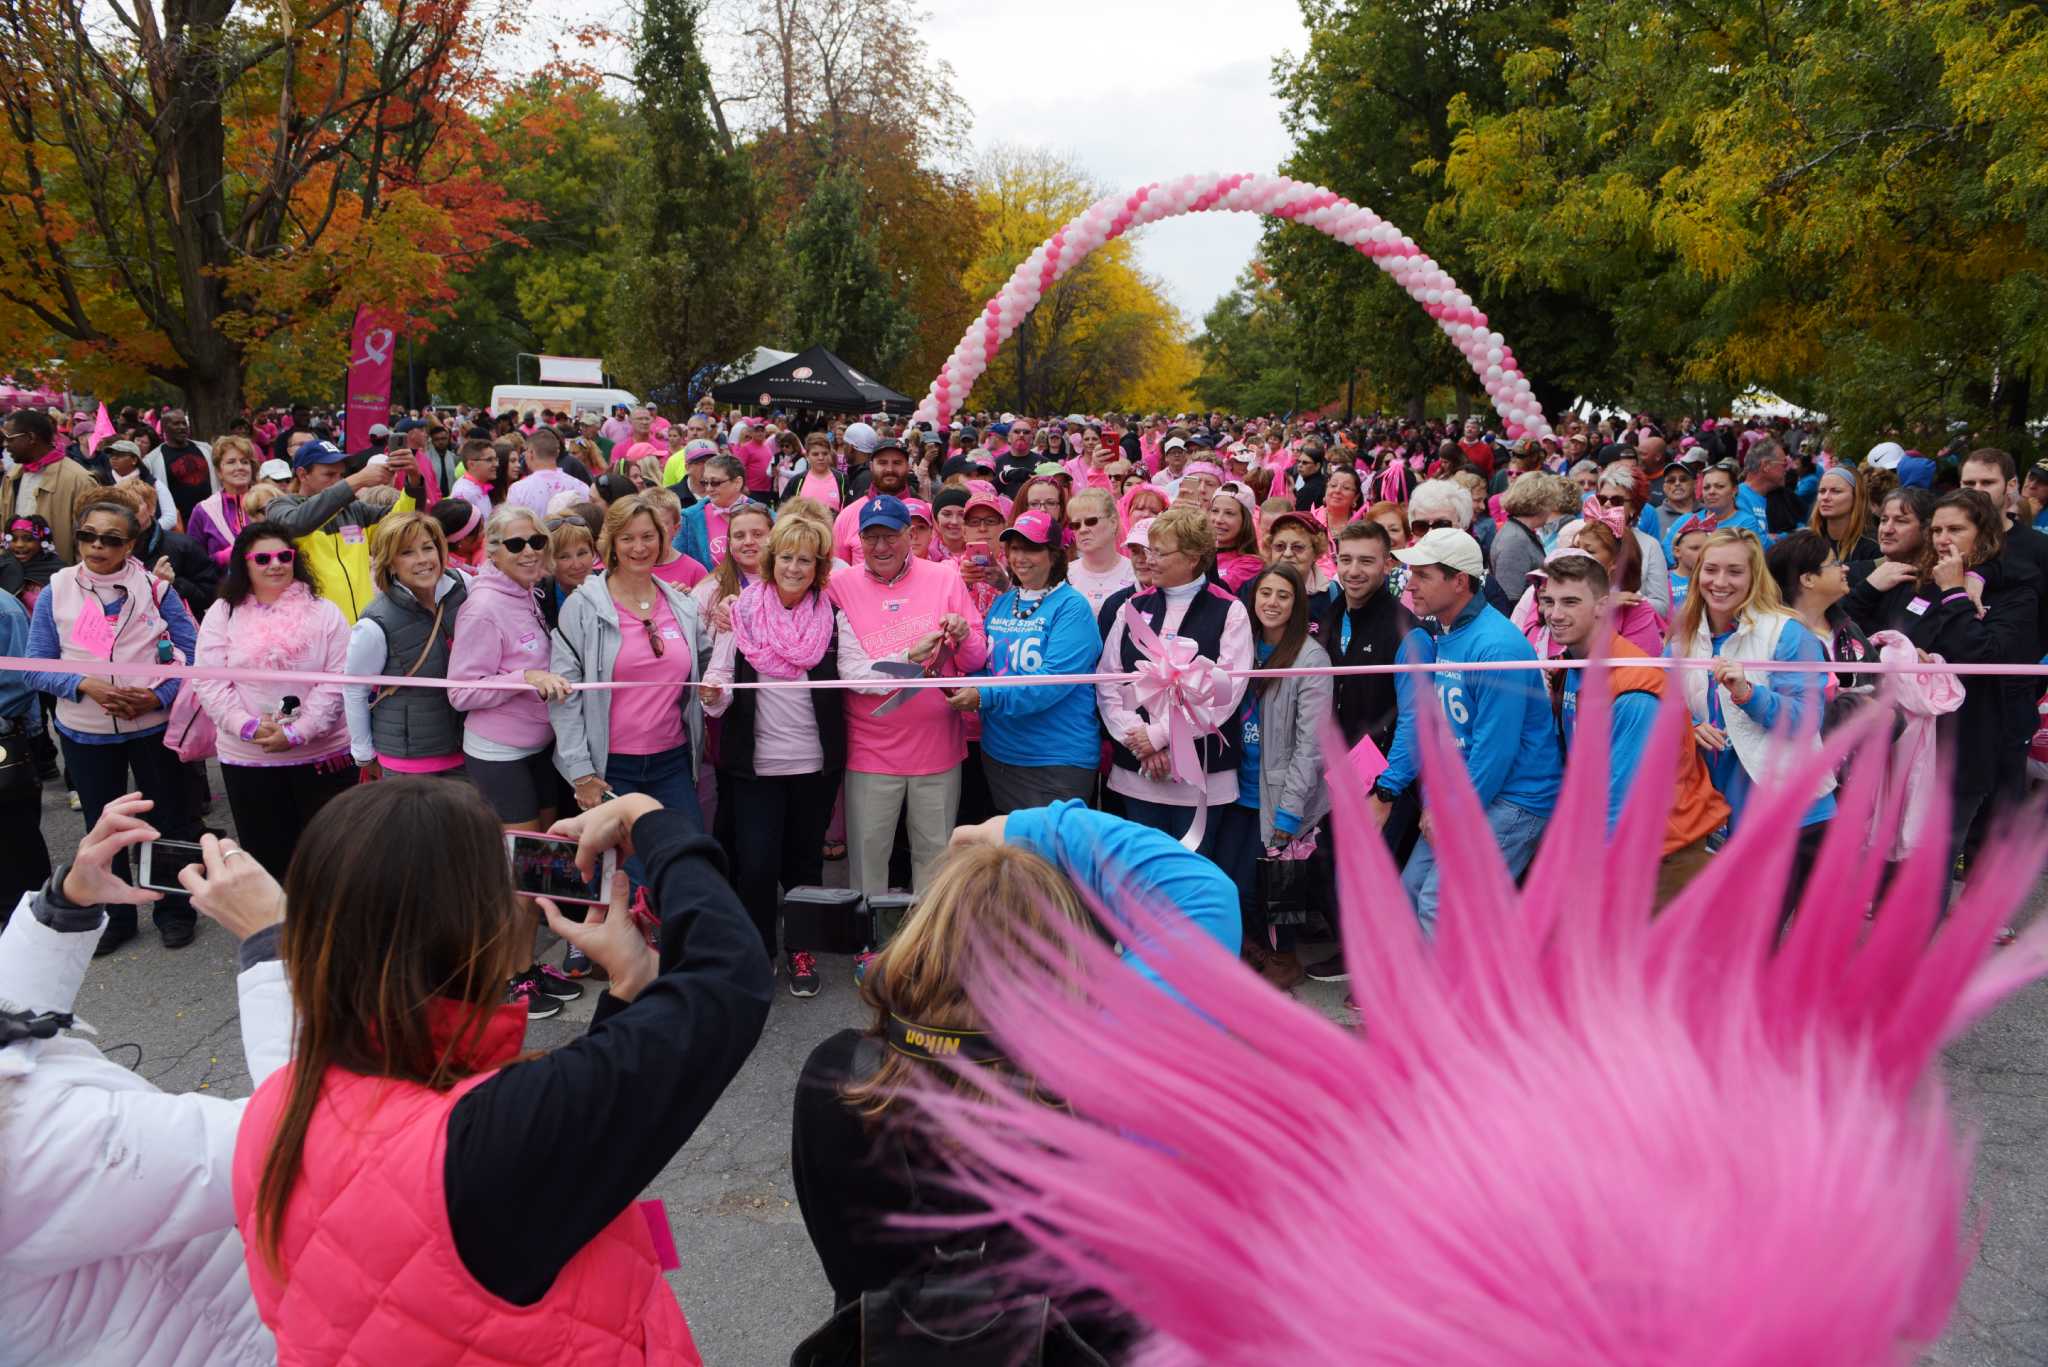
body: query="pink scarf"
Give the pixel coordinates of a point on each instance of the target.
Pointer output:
(781, 643)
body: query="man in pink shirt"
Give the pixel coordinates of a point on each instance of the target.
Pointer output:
(895, 608)
(757, 455)
(888, 474)
(543, 450)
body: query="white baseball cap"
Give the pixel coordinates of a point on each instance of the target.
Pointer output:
(1886, 455)
(1448, 547)
(861, 437)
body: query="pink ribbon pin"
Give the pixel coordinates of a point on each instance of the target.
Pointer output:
(1175, 683)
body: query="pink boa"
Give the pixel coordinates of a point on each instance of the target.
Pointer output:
(276, 636)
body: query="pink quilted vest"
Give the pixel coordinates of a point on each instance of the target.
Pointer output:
(371, 1273)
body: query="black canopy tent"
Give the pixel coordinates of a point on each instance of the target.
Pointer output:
(815, 379)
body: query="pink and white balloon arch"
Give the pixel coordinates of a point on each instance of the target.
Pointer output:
(1427, 283)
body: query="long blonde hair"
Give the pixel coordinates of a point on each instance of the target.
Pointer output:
(1763, 599)
(981, 899)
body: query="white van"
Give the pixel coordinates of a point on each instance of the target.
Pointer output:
(576, 398)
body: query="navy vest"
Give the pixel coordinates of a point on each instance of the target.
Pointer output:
(1207, 615)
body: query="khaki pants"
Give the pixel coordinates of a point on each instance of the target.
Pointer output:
(873, 802)
(1678, 868)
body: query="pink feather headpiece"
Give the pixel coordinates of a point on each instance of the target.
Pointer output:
(1564, 1132)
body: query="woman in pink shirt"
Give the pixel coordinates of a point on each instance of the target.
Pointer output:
(1234, 519)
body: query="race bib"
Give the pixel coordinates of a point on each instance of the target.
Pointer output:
(352, 534)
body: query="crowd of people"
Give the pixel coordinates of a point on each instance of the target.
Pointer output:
(755, 593)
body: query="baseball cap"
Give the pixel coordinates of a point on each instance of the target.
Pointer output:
(1205, 467)
(1140, 533)
(861, 437)
(1175, 444)
(884, 510)
(378, 429)
(961, 465)
(274, 469)
(920, 511)
(1448, 547)
(1886, 455)
(981, 500)
(318, 453)
(126, 448)
(1035, 526)
(888, 444)
(701, 448)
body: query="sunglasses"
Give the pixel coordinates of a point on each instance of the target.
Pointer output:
(516, 544)
(111, 540)
(1422, 526)
(1613, 500)
(284, 557)
(653, 637)
(1089, 521)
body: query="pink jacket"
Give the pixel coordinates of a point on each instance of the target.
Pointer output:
(302, 631)
(371, 1272)
(215, 523)
(500, 635)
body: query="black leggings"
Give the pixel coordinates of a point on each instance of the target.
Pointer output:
(100, 773)
(273, 803)
(774, 829)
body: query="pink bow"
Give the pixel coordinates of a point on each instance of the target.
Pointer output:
(1177, 684)
(1613, 519)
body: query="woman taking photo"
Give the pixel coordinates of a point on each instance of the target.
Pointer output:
(632, 626)
(219, 518)
(1098, 568)
(371, 1172)
(781, 752)
(1038, 744)
(1184, 602)
(859, 1150)
(1234, 519)
(284, 751)
(1734, 617)
(1280, 787)
(405, 631)
(109, 608)
(501, 637)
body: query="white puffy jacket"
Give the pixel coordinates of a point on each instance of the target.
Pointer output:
(117, 1224)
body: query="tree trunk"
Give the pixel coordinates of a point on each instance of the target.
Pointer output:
(214, 396)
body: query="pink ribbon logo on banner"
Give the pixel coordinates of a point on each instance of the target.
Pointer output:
(1175, 683)
(370, 352)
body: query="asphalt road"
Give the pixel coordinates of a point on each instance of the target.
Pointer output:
(749, 1282)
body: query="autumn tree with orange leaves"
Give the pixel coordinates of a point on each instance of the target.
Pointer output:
(204, 193)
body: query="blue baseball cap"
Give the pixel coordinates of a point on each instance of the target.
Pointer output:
(318, 453)
(884, 510)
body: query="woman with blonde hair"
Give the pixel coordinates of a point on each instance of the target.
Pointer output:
(218, 519)
(406, 630)
(1841, 513)
(1749, 719)
(781, 752)
(861, 1150)
(1098, 568)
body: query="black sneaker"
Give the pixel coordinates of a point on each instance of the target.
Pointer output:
(550, 981)
(538, 1007)
(1330, 970)
(576, 964)
(176, 934)
(803, 974)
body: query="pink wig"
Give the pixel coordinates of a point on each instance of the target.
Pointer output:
(1565, 1132)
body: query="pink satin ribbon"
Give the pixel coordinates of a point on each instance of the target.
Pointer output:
(1175, 683)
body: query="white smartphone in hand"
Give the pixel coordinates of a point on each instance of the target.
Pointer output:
(157, 863)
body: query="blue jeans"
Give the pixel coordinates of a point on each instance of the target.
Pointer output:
(1515, 829)
(664, 776)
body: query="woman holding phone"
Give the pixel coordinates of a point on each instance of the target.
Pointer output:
(371, 1172)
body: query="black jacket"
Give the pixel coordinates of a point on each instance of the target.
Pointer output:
(736, 728)
(197, 576)
(626, 1096)
(1365, 704)
(2024, 544)
(1310, 494)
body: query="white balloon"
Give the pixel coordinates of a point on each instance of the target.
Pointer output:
(1493, 354)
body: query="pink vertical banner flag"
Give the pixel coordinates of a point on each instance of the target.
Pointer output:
(370, 353)
(102, 429)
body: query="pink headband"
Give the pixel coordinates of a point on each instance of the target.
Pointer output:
(1205, 467)
(475, 516)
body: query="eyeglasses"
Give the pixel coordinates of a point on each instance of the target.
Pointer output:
(1613, 500)
(111, 540)
(516, 544)
(283, 557)
(1421, 526)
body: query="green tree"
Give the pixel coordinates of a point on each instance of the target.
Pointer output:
(840, 295)
(702, 272)
(1250, 350)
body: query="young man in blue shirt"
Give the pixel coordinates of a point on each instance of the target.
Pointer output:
(1500, 719)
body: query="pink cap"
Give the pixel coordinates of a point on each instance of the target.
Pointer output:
(920, 509)
(1036, 526)
(1140, 533)
(989, 501)
(1205, 467)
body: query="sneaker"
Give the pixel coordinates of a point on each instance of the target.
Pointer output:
(1330, 970)
(550, 981)
(176, 934)
(576, 964)
(860, 965)
(538, 1007)
(76, 805)
(803, 974)
(1284, 971)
